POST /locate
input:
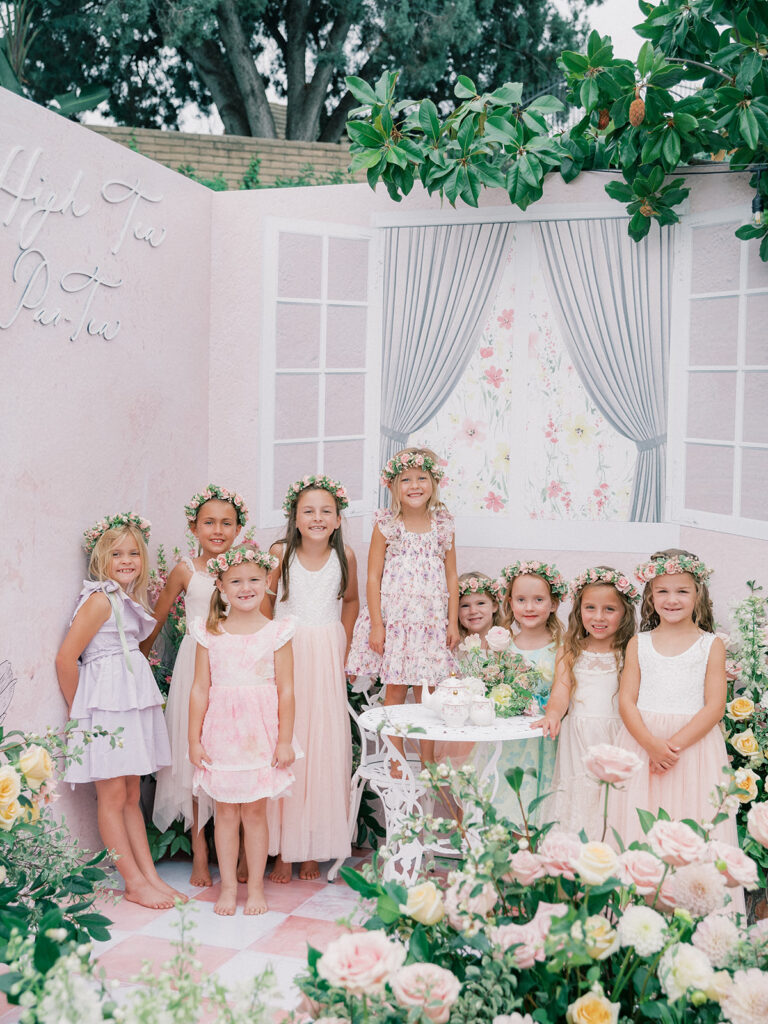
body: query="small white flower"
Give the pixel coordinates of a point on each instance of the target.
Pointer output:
(644, 928)
(684, 968)
(717, 936)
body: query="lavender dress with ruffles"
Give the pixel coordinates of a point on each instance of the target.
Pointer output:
(116, 689)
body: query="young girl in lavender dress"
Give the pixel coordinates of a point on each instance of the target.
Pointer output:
(407, 632)
(316, 583)
(583, 707)
(214, 516)
(241, 712)
(108, 684)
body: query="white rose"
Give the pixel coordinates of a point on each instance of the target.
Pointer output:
(425, 903)
(596, 863)
(683, 968)
(498, 639)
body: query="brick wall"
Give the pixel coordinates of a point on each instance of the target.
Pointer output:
(229, 155)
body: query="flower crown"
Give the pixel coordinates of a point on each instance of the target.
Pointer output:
(557, 583)
(482, 585)
(113, 523)
(212, 492)
(236, 556)
(612, 577)
(320, 482)
(663, 566)
(410, 460)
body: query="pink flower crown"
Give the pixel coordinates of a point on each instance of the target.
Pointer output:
(410, 460)
(482, 585)
(320, 482)
(121, 519)
(213, 492)
(236, 556)
(611, 577)
(557, 582)
(647, 571)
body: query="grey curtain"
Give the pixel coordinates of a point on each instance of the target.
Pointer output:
(612, 298)
(439, 286)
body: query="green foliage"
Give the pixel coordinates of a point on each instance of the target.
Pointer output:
(633, 121)
(306, 175)
(167, 844)
(252, 176)
(217, 184)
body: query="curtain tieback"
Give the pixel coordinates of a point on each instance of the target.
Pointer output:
(652, 442)
(394, 435)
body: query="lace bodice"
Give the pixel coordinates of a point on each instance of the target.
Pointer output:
(197, 598)
(313, 597)
(596, 690)
(675, 684)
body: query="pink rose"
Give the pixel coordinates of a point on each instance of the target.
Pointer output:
(670, 565)
(666, 898)
(558, 851)
(738, 869)
(360, 962)
(611, 764)
(526, 937)
(676, 843)
(757, 822)
(432, 988)
(498, 639)
(526, 867)
(642, 869)
(545, 912)
(461, 907)
(622, 581)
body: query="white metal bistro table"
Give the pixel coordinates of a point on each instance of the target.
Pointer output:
(407, 795)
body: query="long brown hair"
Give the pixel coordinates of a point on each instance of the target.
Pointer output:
(217, 611)
(703, 613)
(496, 621)
(292, 542)
(554, 625)
(576, 636)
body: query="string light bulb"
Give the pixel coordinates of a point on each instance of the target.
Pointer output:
(758, 216)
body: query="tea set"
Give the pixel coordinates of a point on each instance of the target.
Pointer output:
(457, 700)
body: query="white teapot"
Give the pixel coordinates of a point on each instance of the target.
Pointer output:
(450, 687)
(455, 710)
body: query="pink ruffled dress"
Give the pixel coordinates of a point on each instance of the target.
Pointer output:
(414, 606)
(116, 689)
(240, 727)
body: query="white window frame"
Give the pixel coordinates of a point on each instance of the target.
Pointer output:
(269, 515)
(679, 380)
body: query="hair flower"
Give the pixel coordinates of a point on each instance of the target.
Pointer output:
(236, 556)
(221, 494)
(666, 566)
(115, 522)
(610, 577)
(320, 482)
(482, 585)
(548, 572)
(410, 459)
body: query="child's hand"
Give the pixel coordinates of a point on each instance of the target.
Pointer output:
(452, 636)
(376, 638)
(197, 755)
(284, 756)
(662, 754)
(549, 725)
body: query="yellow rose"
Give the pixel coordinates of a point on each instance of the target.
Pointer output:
(600, 938)
(37, 766)
(10, 784)
(8, 814)
(596, 863)
(592, 1008)
(745, 743)
(740, 708)
(746, 780)
(425, 903)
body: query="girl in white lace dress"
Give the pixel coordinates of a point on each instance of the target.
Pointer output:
(583, 707)
(214, 516)
(316, 583)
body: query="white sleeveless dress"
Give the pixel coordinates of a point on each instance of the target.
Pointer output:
(311, 823)
(671, 692)
(173, 794)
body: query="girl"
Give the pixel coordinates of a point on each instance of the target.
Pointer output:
(108, 684)
(316, 581)
(479, 608)
(533, 595)
(241, 718)
(214, 517)
(407, 632)
(601, 624)
(672, 698)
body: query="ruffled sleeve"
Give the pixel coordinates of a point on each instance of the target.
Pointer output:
(284, 630)
(94, 587)
(199, 633)
(390, 527)
(444, 526)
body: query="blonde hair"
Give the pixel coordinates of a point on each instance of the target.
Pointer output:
(496, 620)
(217, 610)
(576, 636)
(99, 562)
(554, 625)
(703, 614)
(434, 502)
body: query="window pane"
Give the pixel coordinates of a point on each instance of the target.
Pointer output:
(709, 478)
(755, 427)
(712, 405)
(754, 484)
(757, 271)
(714, 326)
(291, 462)
(344, 462)
(348, 269)
(715, 259)
(344, 403)
(296, 405)
(757, 333)
(297, 336)
(345, 336)
(299, 266)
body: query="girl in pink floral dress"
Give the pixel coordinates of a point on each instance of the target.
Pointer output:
(241, 713)
(407, 632)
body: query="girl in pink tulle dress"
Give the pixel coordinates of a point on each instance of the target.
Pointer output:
(410, 627)
(241, 712)
(671, 699)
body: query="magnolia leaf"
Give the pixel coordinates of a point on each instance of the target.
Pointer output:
(429, 120)
(465, 88)
(360, 89)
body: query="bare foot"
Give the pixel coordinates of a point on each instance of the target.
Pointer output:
(256, 902)
(200, 874)
(242, 868)
(147, 896)
(281, 872)
(309, 870)
(226, 903)
(162, 886)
